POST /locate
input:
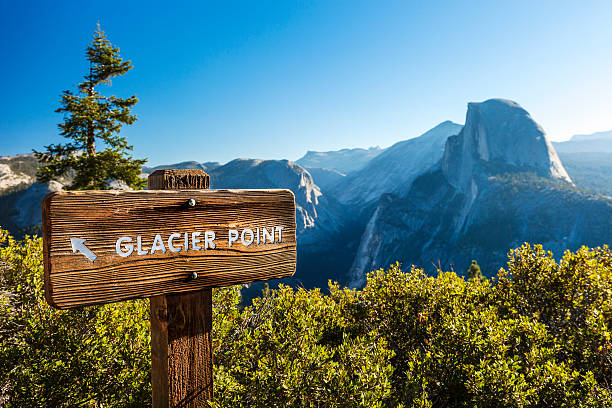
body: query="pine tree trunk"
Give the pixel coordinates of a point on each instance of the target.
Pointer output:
(91, 141)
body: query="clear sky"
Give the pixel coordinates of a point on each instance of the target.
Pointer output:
(270, 80)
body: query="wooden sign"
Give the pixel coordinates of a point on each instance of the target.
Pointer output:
(109, 246)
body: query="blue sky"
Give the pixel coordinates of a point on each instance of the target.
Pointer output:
(270, 80)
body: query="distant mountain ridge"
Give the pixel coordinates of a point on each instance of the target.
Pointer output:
(194, 165)
(396, 167)
(598, 142)
(343, 160)
(325, 178)
(588, 160)
(592, 136)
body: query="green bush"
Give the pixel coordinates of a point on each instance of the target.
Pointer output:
(94, 356)
(537, 336)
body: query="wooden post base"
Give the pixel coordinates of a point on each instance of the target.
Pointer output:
(181, 349)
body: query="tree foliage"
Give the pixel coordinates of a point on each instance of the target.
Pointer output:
(537, 336)
(90, 117)
(474, 271)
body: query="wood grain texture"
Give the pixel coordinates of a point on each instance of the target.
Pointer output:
(101, 217)
(181, 329)
(159, 351)
(172, 179)
(181, 349)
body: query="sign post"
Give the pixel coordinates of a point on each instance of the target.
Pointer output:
(181, 326)
(172, 244)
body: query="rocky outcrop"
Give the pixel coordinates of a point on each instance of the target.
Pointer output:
(499, 184)
(17, 171)
(9, 178)
(252, 173)
(29, 202)
(499, 135)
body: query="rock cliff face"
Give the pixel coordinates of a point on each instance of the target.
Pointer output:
(17, 171)
(394, 169)
(29, 201)
(252, 173)
(20, 210)
(499, 184)
(501, 135)
(10, 178)
(20, 196)
(325, 178)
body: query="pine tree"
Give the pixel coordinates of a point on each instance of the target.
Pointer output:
(474, 271)
(91, 117)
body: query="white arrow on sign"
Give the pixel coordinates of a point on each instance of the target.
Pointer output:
(78, 244)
